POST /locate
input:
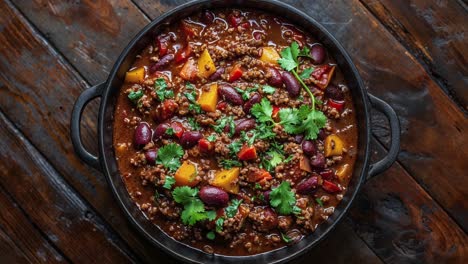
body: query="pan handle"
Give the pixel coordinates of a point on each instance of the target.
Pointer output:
(385, 163)
(75, 133)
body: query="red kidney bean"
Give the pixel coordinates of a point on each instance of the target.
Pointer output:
(207, 17)
(292, 85)
(266, 196)
(161, 63)
(307, 186)
(142, 134)
(308, 148)
(257, 35)
(269, 219)
(317, 53)
(327, 174)
(160, 131)
(330, 187)
(318, 160)
(230, 94)
(298, 138)
(334, 92)
(214, 196)
(245, 125)
(322, 134)
(255, 99)
(236, 123)
(151, 155)
(275, 78)
(190, 139)
(217, 74)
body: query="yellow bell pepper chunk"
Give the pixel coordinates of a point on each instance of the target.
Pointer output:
(206, 66)
(333, 146)
(135, 76)
(270, 55)
(186, 175)
(227, 180)
(209, 99)
(342, 172)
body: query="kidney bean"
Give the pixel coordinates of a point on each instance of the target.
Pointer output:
(161, 63)
(330, 187)
(292, 85)
(245, 125)
(318, 160)
(214, 196)
(266, 196)
(307, 186)
(298, 138)
(334, 92)
(327, 174)
(207, 17)
(322, 134)
(317, 53)
(257, 35)
(269, 219)
(190, 139)
(217, 74)
(160, 131)
(255, 99)
(151, 155)
(308, 148)
(230, 94)
(275, 78)
(142, 134)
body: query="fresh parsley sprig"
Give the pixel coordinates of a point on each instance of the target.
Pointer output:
(194, 209)
(169, 156)
(282, 198)
(162, 90)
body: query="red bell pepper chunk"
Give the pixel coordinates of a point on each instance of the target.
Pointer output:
(178, 129)
(205, 146)
(330, 187)
(245, 25)
(327, 174)
(338, 105)
(235, 73)
(247, 153)
(183, 54)
(262, 175)
(221, 105)
(275, 112)
(162, 41)
(188, 29)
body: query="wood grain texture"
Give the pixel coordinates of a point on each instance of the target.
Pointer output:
(39, 101)
(27, 238)
(52, 205)
(9, 252)
(436, 33)
(402, 223)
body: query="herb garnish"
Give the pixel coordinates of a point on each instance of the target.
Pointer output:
(229, 163)
(282, 198)
(194, 209)
(135, 96)
(219, 224)
(231, 210)
(162, 91)
(168, 182)
(210, 235)
(191, 96)
(221, 124)
(169, 156)
(246, 93)
(193, 123)
(268, 89)
(304, 120)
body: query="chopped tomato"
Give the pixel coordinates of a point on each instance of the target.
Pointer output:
(188, 29)
(245, 25)
(205, 146)
(221, 105)
(262, 174)
(322, 75)
(189, 71)
(330, 187)
(178, 129)
(165, 110)
(338, 105)
(183, 54)
(275, 112)
(235, 73)
(247, 153)
(162, 41)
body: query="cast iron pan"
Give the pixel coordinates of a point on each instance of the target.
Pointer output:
(105, 161)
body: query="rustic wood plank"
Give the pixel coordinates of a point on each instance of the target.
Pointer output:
(39, 100)
(52, 205)
(432, 126)
(9, 252)
(27, 238)
(401, 222)
(435, 32)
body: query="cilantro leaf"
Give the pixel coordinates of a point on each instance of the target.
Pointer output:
(169, 181)
(169, 156)
(231, 210)
(170, 131)
(262, 111)
(306, 73)
(319, 201)
(191, 96)
(211, 138)
(222, 123)
(135, 96)
(288, 60)
(303, 120)
(285, 238)
(210, 235)
(282, 198)
(219, 225)
(265, 131)
(246, 93)
(194, 209)
(193, 123)
(273, 157)
(268, 89)
(234, 147)
(162, 91)
(211, 215)
(228, 163)
(248, 139)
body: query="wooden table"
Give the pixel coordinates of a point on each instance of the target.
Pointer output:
(413, 54)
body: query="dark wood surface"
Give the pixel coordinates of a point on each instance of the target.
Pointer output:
(412, 54)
